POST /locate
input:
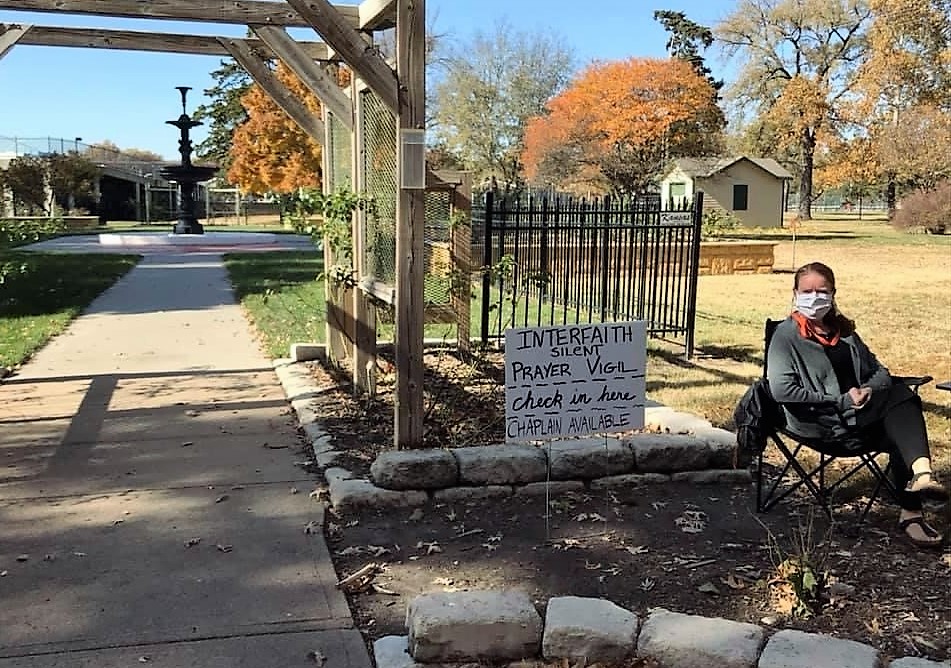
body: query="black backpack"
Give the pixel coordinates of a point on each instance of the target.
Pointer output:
(756, 416)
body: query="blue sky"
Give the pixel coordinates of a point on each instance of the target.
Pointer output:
(127, 96)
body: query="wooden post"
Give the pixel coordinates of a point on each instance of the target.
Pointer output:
(410, 223)
(364, 354)
(462, 260)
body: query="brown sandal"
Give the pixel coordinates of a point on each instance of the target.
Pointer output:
(926, 485)
(935, 538)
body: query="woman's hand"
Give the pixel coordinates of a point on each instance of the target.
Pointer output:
(859, 396)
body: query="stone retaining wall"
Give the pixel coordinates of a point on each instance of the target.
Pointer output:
(736, 257)
(679, 447)
(483, 626)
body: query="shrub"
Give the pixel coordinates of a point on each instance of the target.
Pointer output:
(926, 209)
(27, 231)
(716, 223)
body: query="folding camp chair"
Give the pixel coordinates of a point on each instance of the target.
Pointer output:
(815, 479)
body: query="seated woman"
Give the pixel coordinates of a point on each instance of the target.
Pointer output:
(832, 387)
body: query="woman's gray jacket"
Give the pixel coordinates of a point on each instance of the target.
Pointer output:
(802, 380)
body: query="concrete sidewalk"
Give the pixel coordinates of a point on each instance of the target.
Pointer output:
(147, 513)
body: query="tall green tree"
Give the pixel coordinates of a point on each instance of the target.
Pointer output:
(687, 41)
(71, 177)
(223, 113)
(25, 179)
(488, 87)
(799, 59)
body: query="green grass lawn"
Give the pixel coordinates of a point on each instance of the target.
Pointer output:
(41, 292)
(282, 296)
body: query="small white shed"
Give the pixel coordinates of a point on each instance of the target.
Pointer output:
(752, 189)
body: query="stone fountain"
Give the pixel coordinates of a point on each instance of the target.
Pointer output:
(186, 175)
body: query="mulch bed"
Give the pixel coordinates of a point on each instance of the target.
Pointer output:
(689, 548)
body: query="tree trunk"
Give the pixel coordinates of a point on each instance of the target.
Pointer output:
(808, 147)
(891, 196)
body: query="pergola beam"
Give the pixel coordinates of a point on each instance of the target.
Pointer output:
(10, 35)
(276, 90)
(377, 14)
(130, 40)
(312, 75)
(211, 11)
(341, 36)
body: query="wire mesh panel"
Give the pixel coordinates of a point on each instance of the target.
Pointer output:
(340, 154)
(379, 178)
(438, 248)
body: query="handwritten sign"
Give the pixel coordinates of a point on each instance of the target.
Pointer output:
(574, 380)
(676, 217)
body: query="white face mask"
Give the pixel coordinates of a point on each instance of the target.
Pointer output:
(813, 305)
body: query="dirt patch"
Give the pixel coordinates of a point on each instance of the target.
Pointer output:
(689, 548)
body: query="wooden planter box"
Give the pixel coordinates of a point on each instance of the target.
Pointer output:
(736, 257)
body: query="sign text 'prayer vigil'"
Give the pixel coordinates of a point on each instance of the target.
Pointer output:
(574, 380)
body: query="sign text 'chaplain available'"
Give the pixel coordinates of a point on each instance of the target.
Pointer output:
(574, 380)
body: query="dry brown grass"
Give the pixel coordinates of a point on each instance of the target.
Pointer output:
(896, 286)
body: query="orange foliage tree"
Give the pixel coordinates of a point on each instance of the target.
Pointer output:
(270, 153)
(619, 123)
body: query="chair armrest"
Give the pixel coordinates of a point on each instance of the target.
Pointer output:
(914, 382)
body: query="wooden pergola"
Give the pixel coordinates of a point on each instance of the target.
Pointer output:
(347, 31)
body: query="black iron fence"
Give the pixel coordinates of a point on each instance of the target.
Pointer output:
(564, 261)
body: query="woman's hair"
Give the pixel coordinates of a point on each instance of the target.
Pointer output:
(834, 318)
(815, 268)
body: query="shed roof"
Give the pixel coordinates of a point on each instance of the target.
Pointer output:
(703, 167)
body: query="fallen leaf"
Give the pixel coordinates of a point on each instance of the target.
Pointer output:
(79, 554)
(640, 549)
(49, 557)
(117, 522)
(185, 445)
(431, 548)
(732, 582)
(692, 521)
(144, 659)
(416, 515)
(444, 582)
(311, 528)
(223, 497)
(588, 566)
(708, 588)
(192, 413)
(490, 547)
(657, 505)
(192, 542)
(382, 590)
(317, 657)
(23, 557)
(496, 538)
(4, 574)
(647, 584)
(224, 548)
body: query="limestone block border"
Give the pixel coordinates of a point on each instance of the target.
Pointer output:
(681, 448)
(440, 628)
